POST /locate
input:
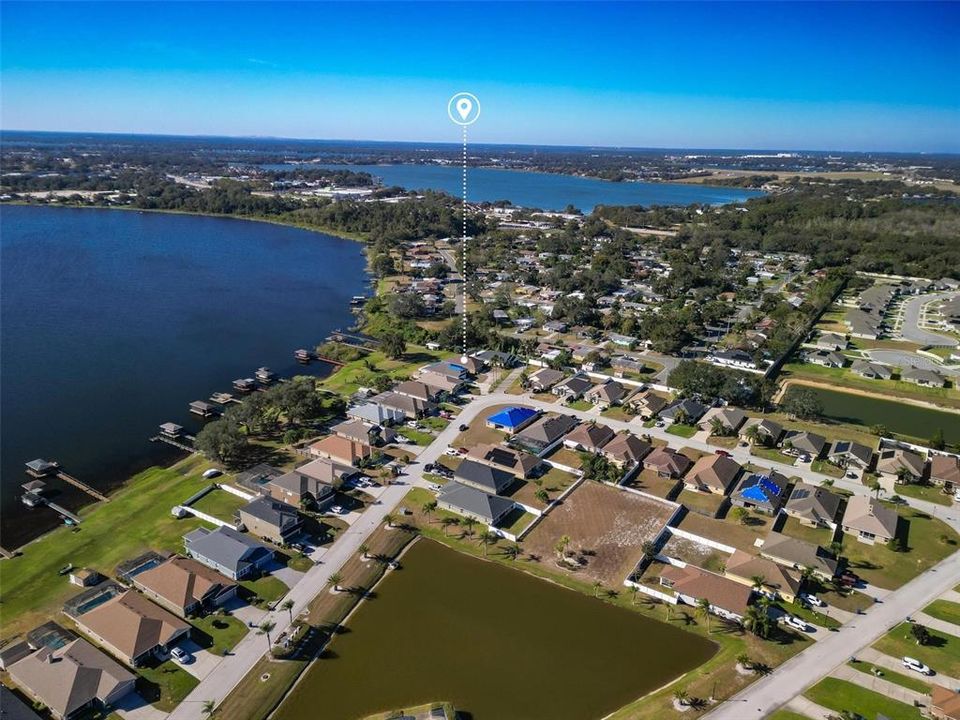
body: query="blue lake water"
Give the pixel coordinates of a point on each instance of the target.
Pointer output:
(544, 190)
(113, 321)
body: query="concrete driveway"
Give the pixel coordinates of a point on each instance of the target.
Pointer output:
(204, 661)
(134, 707)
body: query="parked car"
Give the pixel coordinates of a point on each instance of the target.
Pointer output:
(453, 452)
(412, 424)
(428, 467)
(463, 427)
(850, 578)
(336, 509)
(433, 487)
(660, 423)
(812, 599)
(795, 622)
(918, 667)
(723, 453)
(184, 658)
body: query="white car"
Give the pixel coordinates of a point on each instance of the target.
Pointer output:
(336, 510)
(181, 656)
(795, 622)
(813, 600)
(433, 487)
(913, 664)
(453, 452)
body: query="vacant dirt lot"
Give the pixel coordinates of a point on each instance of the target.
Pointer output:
(607, 528)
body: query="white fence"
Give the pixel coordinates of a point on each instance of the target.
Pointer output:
(234, 490)
(702, 540)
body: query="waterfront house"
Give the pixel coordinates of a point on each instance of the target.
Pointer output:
(800, 442)
(419, 389)
(728, 599)
(473, 503)
(799, 554)
(516, 462)
(543, 435)
(945, 471)
(714, 474)
(358, 432)
(132, 627)
(849, 454)
(544, 379)
(71, 678)
(512, 419)
(778, 581)
(900, 466)
(686, 411)
(759, 492)
(826, 358)
(871, 370)
(483, 477)
(185, 586)
(626, 450)
(573, 388)
(449, 369)
(667, 462)
(315, 482)
(341, 450)
(869, 520)
(606, 394)
(228, 551)
(588, 437)
(203, 409)
(925, 378)
(271, 520)
(375, 413)
(813, 506)
(441, 386)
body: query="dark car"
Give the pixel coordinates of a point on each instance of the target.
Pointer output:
(463, 427)
(724, 453)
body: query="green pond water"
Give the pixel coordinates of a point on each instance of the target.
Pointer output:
(917, 422)
(499, 644)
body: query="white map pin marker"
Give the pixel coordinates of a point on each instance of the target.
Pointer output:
(464, 108)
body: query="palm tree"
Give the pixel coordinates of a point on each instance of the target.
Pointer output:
(743, 660)
(512, 551)
(757, 621)
(265, 628)
(681, 696)
(681, 416)
(447, 522)
(561, 546)
(208, 707)
(752, 434)
(876, 488)
(486, 539)
(758, 582)
(428, 507)
(364, 549)
(648, 548)
(390, 518)
(717, 427)
(703, 610)
(633, 594)
(335, 578)
(597, 586)
(541, 496)
(468, 523)
(288, 606)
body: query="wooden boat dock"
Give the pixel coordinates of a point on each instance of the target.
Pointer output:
(93, 492)
(51, 468)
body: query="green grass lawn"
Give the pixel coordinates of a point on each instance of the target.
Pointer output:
(353, 375)
(944, 610)
(811, 615)
(930, 493)
(136, 519)
(772, 454)
(165, 685)
(617, 413)
(825, 468)
(816, 535)
(267, 588)
(516, 521)
(580, 405)
(928, 541)
(942, 653)
(684, 431)
(911, 682)
(220, 503)
(222, 632)
(841, 695)
(435, 423)
(418, 436)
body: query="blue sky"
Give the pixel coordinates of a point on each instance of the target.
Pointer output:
(803, 75)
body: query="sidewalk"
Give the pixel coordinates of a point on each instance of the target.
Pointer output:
(948, 628)
(809, 708)
(875, 657)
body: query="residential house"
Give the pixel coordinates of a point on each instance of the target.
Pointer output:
(869, 520)
(516, 462)
(945, 471)
(483, 477)
(573, 388)
(314, 482)
(441, 386)
(849, 454)
(606, 394)
(801, 442)
(543, 435)
(871, 370)
(185, 586)
(450, 369)
(473, 503)
(358, 432)
(13, 708)
(71, 678)
(729, 418)
(763, 493)
(714, 474)
(512, 419)
(686, 411)
(826, 358)
(626, 450)
(341, 450)
(799, 554)
(944, 703)
(647, 404)
(271, 520)
(778, 581)
(418, 389)
(831, 341)
(544, 379)
(900, 466)
(588, 437)
(768, 431)
(667, 462)
(375, 413)
(133, 628)
(813, 506)
(257, 477)
(408, 407)
(727, 598)
(926, 378)
(228, 551)
(733, 358)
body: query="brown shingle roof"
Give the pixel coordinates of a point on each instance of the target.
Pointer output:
(182, 582)
(720, 591)
(626, 448)
(715, 471)
(132, 624)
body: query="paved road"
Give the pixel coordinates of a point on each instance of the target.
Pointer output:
(911, 330)
(903, 359)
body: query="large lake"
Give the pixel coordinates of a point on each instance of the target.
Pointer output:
(497, 643)
(113, 321)
(547, 191)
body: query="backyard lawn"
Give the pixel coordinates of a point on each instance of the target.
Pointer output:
(818, 536)
(516, 521)
(841, 696)
(944, 610)
(941, 653)
(352, 376)
(704, 503)
(220, 503)
(223, 632)
(649, 482)
(928, 541)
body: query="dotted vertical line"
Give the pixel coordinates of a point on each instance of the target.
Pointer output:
(463, 244)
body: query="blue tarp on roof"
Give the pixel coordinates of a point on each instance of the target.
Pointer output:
(512, 417)
(762, 490)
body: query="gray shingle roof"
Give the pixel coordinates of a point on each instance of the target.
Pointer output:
(475, 502)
